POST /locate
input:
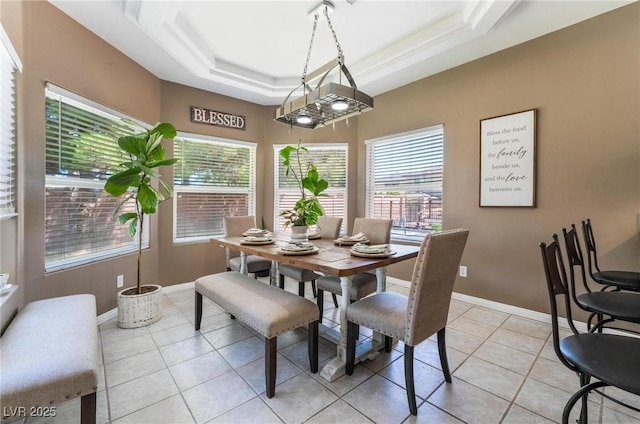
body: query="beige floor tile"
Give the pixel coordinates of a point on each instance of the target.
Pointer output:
(380, 400)
(429, 414)
(473, 327)
(345, 383)
(243, 352)
(519, 415)
(123, 348)
(611, 416)
(133, 367)
(462, 341)
(174, 334)
(298, 353)
(506, 357)
(425, 377)
(169, 411)
(185, 349)
(253, 372)
(555, 374)
(217, 396)
(299, 398)
(427, 352)
(227, 335)
(490, 377)
(527, 344)
(140, 393)
(197, 370)
(252, 412)
(339, 412)
(528, 327)
(625, 397)
(469, 403)
(487, 316)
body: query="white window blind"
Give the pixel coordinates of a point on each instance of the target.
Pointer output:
(331, 161)
(9, 64)
(213, 178)
(81, 153)
(404, 181)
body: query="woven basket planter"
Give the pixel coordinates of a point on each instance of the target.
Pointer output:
(139, 310)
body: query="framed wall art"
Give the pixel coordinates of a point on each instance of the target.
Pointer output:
(508, 160)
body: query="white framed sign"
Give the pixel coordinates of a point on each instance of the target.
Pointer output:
(508, 160)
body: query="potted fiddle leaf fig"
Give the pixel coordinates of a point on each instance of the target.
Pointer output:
(308, 208)
(140, 305)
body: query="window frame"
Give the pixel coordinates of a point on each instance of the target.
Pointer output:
(52, 181)
(177, 188)
(371, 187)
(11, 64)
(277, 163)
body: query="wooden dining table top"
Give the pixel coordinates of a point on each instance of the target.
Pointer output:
(330, 258)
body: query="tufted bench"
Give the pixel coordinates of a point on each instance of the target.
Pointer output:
(48, 355)
(267, 309)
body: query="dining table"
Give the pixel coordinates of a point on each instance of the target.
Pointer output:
(329, 257)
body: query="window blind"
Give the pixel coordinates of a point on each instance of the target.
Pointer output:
(81, 152)
(9, 65)
(331, 162)
(404, 181)
(213, 178)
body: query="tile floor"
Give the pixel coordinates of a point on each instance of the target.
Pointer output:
(504, 371)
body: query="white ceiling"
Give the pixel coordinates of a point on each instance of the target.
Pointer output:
(256, 50)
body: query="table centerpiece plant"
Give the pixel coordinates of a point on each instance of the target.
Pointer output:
(308, 208)
(140, 305)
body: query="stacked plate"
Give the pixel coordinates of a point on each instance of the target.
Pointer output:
(257, 236)
(300, 248)
(371, 251)
(351, 240)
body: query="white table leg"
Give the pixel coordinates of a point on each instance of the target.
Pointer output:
(381, 278)
(336, 367)
(273, 273)
(243, 263)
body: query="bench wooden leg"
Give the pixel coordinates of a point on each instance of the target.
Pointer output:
(270, 352)
(88, 409)
(312, 335)
(198, 311)
(320, 302)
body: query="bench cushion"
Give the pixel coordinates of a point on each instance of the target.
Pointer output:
(267, 309)
(49, 353)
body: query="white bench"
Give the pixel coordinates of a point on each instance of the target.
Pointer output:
(48, 355)
(270, 311)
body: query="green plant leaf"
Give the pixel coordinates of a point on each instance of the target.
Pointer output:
(127, 216)
(132, 144)
(147, 198)
(119, 183)
(133, 226)
(119, 205)
(166, 162)
(167, 188)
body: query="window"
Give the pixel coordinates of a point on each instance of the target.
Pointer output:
(81, 153)
(213, 178)
(9, 63)
(404, 181)
(331, 161)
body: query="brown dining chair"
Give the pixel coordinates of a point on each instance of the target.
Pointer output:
(235, 226)
(612, 360)
(328, 227)
(620, 280)
(414, 318)
(605, 306)
(378, 231)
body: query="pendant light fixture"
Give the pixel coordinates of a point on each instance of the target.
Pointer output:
(324, 104)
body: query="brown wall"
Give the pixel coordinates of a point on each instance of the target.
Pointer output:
(584, 82)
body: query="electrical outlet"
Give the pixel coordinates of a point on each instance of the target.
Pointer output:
(119, 281)
(463, 271)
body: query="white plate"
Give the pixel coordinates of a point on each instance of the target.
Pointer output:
(314, 236)
(347, 242)
(299, 252)
(257, 242)
(256, 232)
(373, 255)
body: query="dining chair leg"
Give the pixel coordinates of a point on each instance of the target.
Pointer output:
(335, 300)
(313, 288)
(408, 379)
(301, 288)
(387, 343)
(352, 331)
(281, 281)
(198, 319)
(312, 335)
(271, 347)
(442, 350)
(320, 302)
(577, 396)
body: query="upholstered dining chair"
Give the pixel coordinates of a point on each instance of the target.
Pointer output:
(606, 306)
(612, 360)
(415, 318)
(378, 231)
(327, 227)
(620, 280)
(235, 226)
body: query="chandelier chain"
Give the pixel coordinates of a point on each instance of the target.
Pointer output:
(335, 37)
(306, 64)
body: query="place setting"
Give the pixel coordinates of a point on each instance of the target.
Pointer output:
(371, 251)
(351, 240)
(257, 236)
(298, 248)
